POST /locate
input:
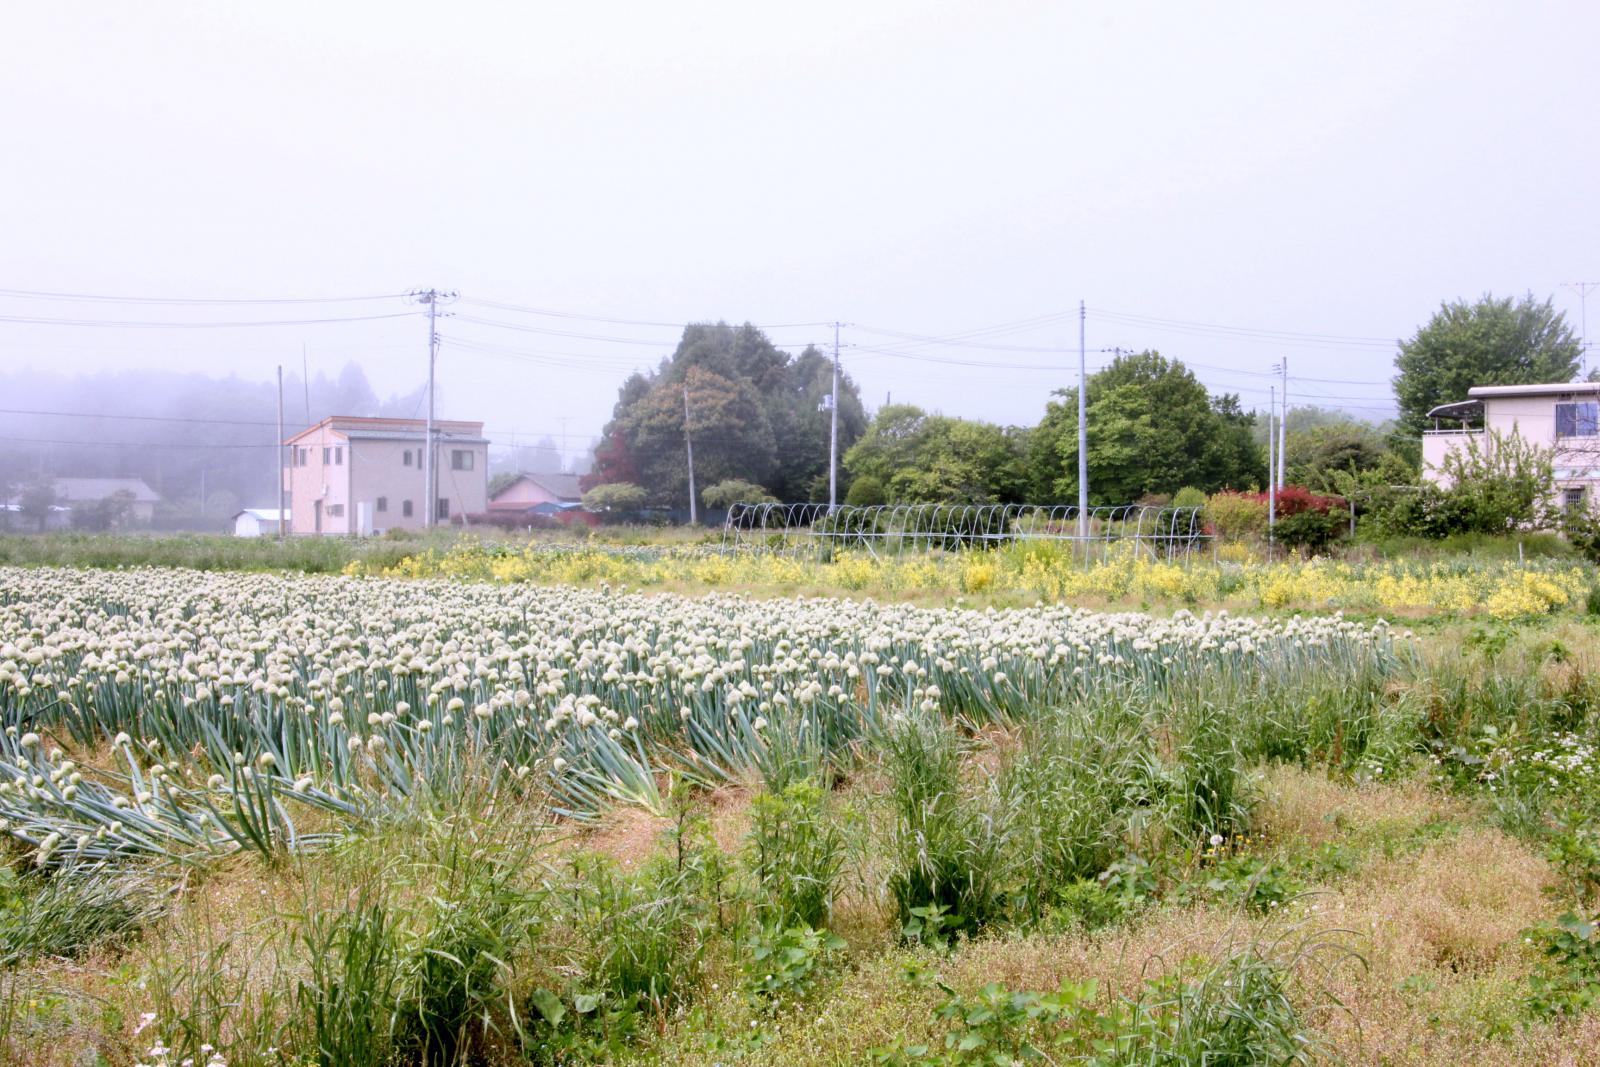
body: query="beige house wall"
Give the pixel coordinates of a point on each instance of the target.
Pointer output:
(526, 492)
(317, 482)
(380, 475)
(362, 472)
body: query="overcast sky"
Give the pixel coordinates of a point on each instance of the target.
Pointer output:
(918, 168)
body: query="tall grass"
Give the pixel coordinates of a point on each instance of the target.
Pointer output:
(1071, 785)
(796, 852)
(947, 843)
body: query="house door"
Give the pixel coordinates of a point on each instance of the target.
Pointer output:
(316, 513)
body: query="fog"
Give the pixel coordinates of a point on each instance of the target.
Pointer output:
(1232, 186)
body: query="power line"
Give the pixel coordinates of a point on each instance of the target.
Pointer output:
(26, 320)
(102, 298)
(550, 313)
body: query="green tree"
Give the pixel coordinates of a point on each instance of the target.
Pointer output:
(1152, 428)
(919, 458)
(1495, 341)
(36, 501)
(615, 498)
(756, 413)
(731, 491)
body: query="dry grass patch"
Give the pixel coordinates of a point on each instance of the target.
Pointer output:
(1308, 807)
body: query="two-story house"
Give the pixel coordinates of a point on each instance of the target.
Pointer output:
(1564, 416)
(351, 475)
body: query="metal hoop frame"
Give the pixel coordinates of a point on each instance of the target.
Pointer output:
(1150, 531)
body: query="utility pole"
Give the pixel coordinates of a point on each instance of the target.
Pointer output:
(1272, 470)
(1083, 425)
(430, 474)
(305, 380)
(1283, 423)
(833, 430)
(1583, 289)
(694, 513)
(280, 452)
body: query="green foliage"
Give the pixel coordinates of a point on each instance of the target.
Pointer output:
(1235, 516)
(1189, 497)
(1311, 529)
(1499, 483)
(947, 846)
(98, 516)
(503, 481)
(1153, 429)
(731, 491)
(866, 491)
(615, 498)
(783, 961)
(920, 458)
(1567, 980)
(67, 912)
(753, 412)
(1489, 342)
(1506, 478)
(348, 1002)
(641, 935)
(1236, 1010)
(1071, 787)
(455, 978)
(1211, 780)
(1581, 527)
(35, 501)
(796, 852)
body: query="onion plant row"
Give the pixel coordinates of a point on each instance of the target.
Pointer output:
(177, 715)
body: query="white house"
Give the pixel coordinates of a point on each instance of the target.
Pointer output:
(259, 522)
(1564, 416)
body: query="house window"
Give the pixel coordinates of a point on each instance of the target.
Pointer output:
(383, 503)
(326, 452)
(444, 507)
(460, 459)
(336, 510)
(1578, 418)
(338, 456)
(405, 508)
(300, 457)
(405, 458)
(1572, 497)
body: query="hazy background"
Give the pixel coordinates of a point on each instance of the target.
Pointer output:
(1314, 182)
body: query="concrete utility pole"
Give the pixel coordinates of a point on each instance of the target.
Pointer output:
(1272, 469)
(430, 474)
(833, 430)
(694, 512)
(1083, 425)
(280, 453)
(1283, 423)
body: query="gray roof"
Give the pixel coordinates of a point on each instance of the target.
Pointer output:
(413, 435)
(104, 489)
(560, 486)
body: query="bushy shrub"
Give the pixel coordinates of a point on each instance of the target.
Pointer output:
(1236, 516)
(866, 490)
(1189, 497)
(731, 491)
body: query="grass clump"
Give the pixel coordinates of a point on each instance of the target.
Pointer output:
(68, 912)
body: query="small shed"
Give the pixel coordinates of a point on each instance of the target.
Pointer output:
(258, 522)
